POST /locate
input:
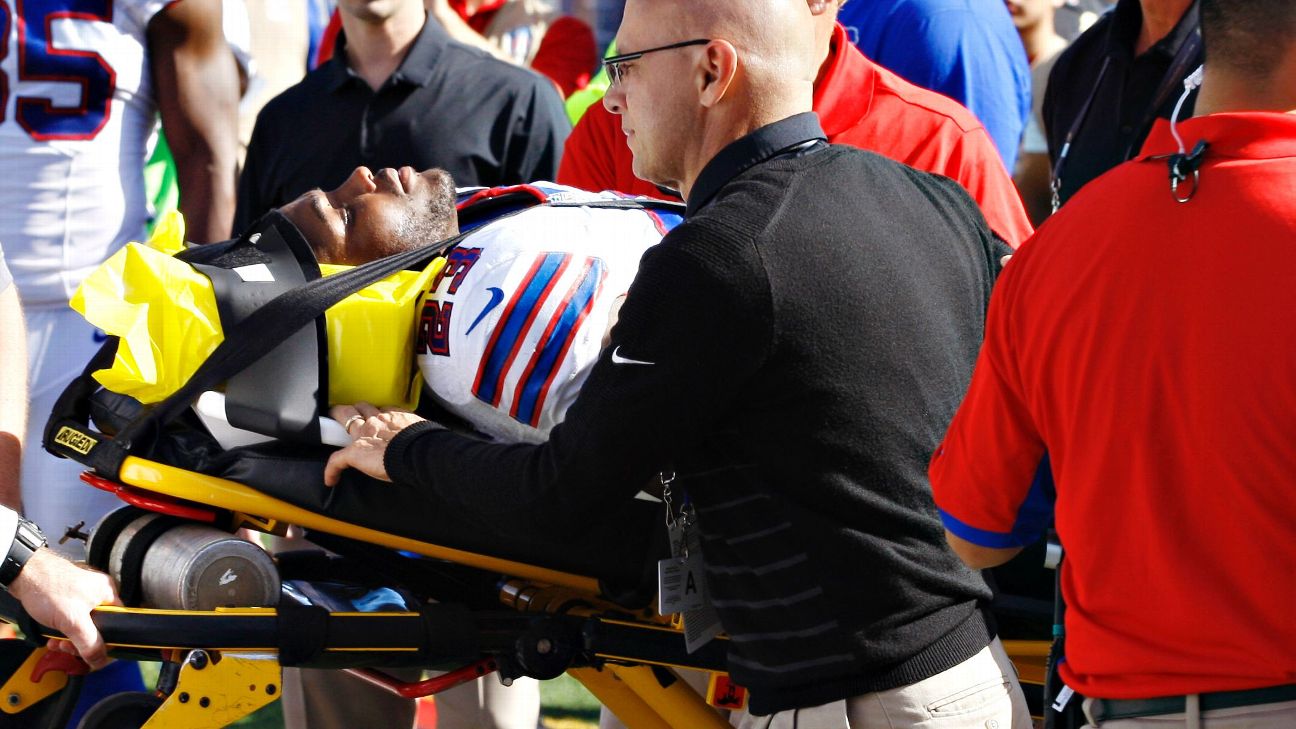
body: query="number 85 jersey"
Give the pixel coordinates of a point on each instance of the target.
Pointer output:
(513, 324)
(76, 111)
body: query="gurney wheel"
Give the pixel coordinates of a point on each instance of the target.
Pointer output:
(129, 710)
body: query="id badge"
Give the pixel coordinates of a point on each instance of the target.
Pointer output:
(680, 586)
(703, 623)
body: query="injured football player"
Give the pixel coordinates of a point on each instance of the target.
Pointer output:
(511, 326)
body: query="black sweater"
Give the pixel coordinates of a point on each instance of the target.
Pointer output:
(811, 328)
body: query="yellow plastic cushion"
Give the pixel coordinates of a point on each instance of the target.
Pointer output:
(371, 338)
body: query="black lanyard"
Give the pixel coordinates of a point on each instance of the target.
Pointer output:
(1172, 79)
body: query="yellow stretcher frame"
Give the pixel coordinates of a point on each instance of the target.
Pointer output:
(630, 686)
(226, 494)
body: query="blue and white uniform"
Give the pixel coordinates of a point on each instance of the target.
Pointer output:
(515, 321)
(76, 112)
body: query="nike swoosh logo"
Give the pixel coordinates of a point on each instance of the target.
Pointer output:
(497, 295)
(618, 359)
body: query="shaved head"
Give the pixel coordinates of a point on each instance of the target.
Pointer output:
(775, 39)
(681, 106)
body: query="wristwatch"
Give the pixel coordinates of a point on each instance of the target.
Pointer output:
(27, 539)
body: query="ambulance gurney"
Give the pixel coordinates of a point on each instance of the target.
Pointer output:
(223, 616)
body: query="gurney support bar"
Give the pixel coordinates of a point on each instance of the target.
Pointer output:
(431, 686)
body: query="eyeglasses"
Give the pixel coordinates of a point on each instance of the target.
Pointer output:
(616, 65)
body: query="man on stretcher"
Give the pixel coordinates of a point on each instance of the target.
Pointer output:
(514, 322)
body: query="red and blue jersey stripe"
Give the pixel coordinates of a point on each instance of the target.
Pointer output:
(555, 342)
(560, 332)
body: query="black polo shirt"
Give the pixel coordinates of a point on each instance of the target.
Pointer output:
(1124, 94)
(484, 121)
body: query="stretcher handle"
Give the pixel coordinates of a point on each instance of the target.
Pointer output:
(61, 662)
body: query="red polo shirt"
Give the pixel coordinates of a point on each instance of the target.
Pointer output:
(1150, 348)
(859, 104)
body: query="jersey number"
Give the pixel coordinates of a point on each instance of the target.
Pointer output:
(39, 60)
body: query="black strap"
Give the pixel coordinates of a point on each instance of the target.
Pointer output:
(449, 632)
(72, 409)
(302, 631)
(106, 533)
(130, 579)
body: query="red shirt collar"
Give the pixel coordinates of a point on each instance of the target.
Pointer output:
(1245, 135)
(846, 92)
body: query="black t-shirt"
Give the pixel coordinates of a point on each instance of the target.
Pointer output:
(484, 121)
(1109, 97)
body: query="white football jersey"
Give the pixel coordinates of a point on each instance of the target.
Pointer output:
(76, 112)
(515, 321)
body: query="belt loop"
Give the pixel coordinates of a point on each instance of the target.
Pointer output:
(1092, 709)
(1192, 711)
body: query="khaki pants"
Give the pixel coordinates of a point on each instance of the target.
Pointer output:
(1261, 716)
(979, 693)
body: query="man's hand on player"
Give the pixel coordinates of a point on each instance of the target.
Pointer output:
(372, 429)
(61, 595)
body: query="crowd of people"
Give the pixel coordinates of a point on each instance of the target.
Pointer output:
(867, 371)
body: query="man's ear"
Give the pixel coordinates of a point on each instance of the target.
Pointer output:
(717, 70)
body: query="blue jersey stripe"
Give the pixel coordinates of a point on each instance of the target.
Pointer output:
(521, 312)
(1033, 516)
(532, 393)
(979, 537)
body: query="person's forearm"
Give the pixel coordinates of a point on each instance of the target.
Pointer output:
(206, 195)
(205, 154)
(197, 89)
(13, 398)
(508, 485)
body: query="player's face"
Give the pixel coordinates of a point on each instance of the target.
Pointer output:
(372, 215)
(652, 96)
